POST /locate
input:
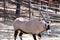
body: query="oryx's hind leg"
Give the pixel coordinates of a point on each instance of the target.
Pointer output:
(15, 34)
(20, 34)
(34, 37)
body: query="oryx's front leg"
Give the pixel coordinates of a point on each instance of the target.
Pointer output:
(34, 36)
(21, 33)
(39, 35)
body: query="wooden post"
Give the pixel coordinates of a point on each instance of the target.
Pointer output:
(36, 0)
(50, 1)
(18, 7)
(29, 9)
(4, 10)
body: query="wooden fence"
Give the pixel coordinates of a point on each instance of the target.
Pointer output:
(10, 12)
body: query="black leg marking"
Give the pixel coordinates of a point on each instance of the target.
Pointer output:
(39, 35)
(21, 33)
(34, 37)
(15, 34)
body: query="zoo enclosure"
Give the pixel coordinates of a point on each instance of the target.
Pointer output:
(10, 11)
(6, 12)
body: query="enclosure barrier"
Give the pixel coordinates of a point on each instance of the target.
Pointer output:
(25, 3)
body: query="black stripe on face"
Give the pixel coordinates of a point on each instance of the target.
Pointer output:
(48, 27)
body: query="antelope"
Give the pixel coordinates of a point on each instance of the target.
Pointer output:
(31, 26)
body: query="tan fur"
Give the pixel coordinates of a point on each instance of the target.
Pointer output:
(33, 25)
